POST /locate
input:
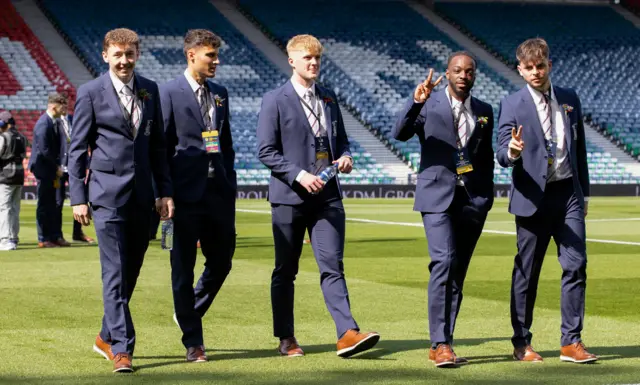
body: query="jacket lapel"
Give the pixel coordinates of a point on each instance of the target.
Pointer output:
(477, 113)
(328, 108)
(216, 99)
(531, 115)
(293, 98)
(561, 100)
(189, 97)
(109, 93)
(443, 108)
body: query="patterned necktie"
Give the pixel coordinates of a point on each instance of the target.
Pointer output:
(314, 114)
(546, 122)
(462, 124)
(129, 104)
(204, 105)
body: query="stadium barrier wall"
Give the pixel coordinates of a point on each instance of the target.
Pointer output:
(401, 191)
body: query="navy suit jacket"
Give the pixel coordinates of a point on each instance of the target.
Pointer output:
(188, 159)
(433, 123)
(45, 150)
(120, 164)
(286, 144)
(529, 175)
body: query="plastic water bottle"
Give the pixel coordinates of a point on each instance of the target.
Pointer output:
(166, 242)
(329, 173)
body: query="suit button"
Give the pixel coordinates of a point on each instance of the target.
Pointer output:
(544, 177)
(313, 145)
(134, 164)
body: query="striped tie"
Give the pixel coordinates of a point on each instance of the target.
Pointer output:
(462, 124)
(203, 100)
(134, 117)
(546, 123)
(314, 113)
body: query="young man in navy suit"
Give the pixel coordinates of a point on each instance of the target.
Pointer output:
(46, 165)
(541, 136)
(118, 116)
(454, 191)
(301, 132)
(201, 157)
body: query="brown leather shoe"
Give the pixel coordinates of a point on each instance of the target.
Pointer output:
(103, 348)
(83, 238)
(353, 342)
(62, 242)
(289, 347)
(458, 360)
(47, 244)
(527, 354)
(576, 352)
(444, 356)
(122, 363)
(196, 354)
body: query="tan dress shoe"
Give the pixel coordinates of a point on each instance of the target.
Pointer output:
(103, 348)
(122, 363)
(458, 360)
(353, 342)
(289, 347)
(444, 356)
(577, 353)
(527, 354)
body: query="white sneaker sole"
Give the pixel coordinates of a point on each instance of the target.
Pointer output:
(570, 359)
(100, 352)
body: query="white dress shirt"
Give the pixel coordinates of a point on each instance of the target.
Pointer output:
(561, 168)
(119, 85)
(195, 87)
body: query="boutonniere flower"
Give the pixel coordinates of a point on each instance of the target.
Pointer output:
(143, 94)
(567, 108)
(218, 100)
(327, 99)
(482, 120)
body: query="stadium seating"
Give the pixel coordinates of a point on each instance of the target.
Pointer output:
(27, 73)
(375, 60)
(593, 49)
(244, 70)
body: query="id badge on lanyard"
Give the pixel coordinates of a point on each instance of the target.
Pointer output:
(211, 141)
(463, 163)
(551, 146)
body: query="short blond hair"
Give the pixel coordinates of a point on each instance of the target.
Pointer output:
(119, 36)
(532, 50)
(304, 43)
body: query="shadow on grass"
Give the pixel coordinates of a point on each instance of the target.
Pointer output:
(358, 375)
(381, 351)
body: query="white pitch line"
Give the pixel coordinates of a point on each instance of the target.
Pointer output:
(415, 224)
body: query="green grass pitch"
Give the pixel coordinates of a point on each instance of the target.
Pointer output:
(51, 308)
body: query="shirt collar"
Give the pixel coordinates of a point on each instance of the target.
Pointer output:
(50, 116)
(301, 90)
(192, 82)
(537, 95)
(118, 84)
(454, 102)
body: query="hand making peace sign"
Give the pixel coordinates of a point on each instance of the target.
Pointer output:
(423, 90)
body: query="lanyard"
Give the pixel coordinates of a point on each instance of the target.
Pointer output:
(312, 113)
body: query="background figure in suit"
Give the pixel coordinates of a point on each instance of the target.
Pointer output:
(64, 128)
(549, 190)
(46, 165)
(201, 157)
(300, 132)
(454, 191)
(118, 116)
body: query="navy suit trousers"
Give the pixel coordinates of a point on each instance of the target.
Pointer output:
(61, 195)
(325, 222)
(559, 216)
(452, 236)
(46, 214)
(123, 235)
(212, 221)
